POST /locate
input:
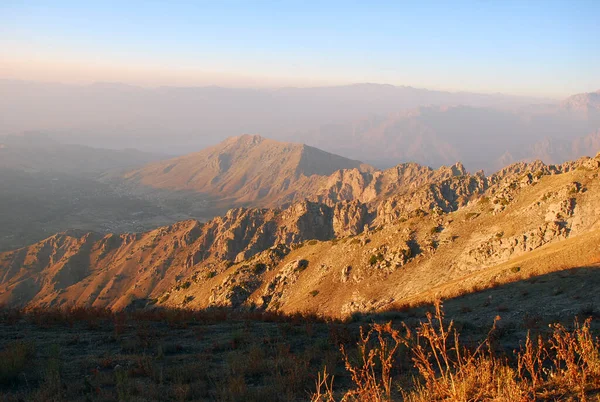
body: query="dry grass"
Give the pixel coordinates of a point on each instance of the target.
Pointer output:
(563, 366)
(156, 355)
(231, 356)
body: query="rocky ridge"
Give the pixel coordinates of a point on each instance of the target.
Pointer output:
(426, 228)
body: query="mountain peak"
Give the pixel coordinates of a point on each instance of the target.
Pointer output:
(246, 139)
(243, 169)
(583, 102)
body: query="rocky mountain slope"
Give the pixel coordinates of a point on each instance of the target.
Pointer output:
(434, 229)
(255, 171)
(243, 170)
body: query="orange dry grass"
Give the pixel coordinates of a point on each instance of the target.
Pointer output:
(566, 366)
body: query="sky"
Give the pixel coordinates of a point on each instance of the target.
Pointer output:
(536, 47)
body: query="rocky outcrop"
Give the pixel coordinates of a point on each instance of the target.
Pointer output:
(275, 290)
(498, 249)
(350, 218)
(440, 197)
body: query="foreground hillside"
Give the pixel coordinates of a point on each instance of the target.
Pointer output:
(84, 354)
(443, 233)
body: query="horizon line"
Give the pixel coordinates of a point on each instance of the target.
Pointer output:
(284, 87)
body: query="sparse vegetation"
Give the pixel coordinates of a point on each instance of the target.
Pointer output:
(14, 360)
(375, 258)
(302, 265)
(565, 365)
(471, 215)
(179, 354)
(259, 268)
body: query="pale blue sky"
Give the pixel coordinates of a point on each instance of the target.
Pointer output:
(535, 47)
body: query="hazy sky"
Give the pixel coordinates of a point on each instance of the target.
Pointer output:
(535, 47)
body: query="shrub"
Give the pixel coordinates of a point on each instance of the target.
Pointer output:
(471, 215)
(302, 265)
(14, 359)
(312, 242)
(514, 270)
(375, 258)
(259, 268)
(419, 213)
(313, 293)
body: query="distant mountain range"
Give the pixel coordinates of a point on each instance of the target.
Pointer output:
(586, 102)
(382, 125)
(440, 135)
